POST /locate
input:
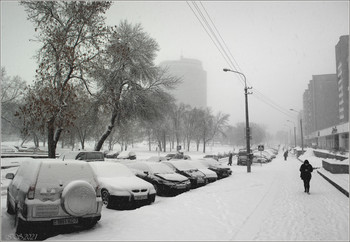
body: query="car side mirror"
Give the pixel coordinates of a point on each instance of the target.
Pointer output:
(9, 176)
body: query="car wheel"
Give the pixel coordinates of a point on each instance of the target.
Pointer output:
(156, 187)
(105, 197)
(10, 209)
(79, 198)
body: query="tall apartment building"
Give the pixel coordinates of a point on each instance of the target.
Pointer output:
(321, 103)
(193, 89)
(326, 104)
(342, 65)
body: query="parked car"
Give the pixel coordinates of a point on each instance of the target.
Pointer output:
(83, 155)
(211, 175)
(112, 154)
(215, 157)
(220, 169)
(178, 156)
(183, 167)
(170, 156)
(164, 179)
(127, 155)
(48, 192)
(242, 157)
(157, 158)
(263, 154)
(120, 187)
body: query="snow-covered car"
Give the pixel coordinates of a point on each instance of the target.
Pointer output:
(112, 154)
(157, 158)
(263, 154)
(211, 175)
(120, 187)
(127, 155)
(83, 155)
(221, 170)
(170, 156)
(184, 168)
(164, 179)
(215, 157)
(48, 192)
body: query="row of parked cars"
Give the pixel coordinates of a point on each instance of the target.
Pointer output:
(264, 156)
(72, 189)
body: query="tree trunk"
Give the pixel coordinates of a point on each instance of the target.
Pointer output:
(108, 131)
(164, 141)
(51, 145)
(204, 144)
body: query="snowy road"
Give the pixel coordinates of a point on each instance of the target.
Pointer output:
(267, 204)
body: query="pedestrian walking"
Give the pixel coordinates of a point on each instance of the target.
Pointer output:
(285, 154)
(230, 159)
(305, 175)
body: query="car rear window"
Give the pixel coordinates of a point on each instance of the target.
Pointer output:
(52, 174)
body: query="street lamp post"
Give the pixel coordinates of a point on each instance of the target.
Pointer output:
(295, 137)
(247, 131)
(301, 130)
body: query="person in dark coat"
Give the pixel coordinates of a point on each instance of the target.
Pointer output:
(305, 175)
(285, 155)
(230, 160)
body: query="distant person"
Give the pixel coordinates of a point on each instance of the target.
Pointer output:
(230, 159)
(285, 154)
(305, 175)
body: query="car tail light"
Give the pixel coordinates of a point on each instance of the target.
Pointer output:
(31, 192)
(98, 191)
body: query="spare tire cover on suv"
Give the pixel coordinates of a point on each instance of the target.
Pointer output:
(79, 198)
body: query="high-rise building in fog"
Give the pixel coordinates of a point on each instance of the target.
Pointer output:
(342, 65)
(321, 103)
(193, 89)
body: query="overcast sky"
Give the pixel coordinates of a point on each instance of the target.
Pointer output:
(277, 45)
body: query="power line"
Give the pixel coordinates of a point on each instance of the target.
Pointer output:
(227, 57)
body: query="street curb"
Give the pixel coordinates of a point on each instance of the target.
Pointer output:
(346, 193)
(342, 190)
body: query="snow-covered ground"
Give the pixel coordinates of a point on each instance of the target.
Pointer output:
(267, 204)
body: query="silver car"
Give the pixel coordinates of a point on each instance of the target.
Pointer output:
(50, 193)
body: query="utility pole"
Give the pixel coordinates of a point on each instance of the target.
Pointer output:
(247, 131)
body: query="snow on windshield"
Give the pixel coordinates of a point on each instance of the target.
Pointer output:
(160, 168)
(182, 165)
(110, 169)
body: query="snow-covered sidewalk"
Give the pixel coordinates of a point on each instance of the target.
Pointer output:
(267, 204)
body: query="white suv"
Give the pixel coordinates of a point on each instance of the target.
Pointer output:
(53, 193)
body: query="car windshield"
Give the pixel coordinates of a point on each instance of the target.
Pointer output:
(183, 165)
(111, 169)
(210, 162)
(197, 164)
(161, 168)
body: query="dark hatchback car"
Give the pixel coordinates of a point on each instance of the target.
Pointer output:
(184, 168)
(243, 158)
(164, 179)
(221, 170)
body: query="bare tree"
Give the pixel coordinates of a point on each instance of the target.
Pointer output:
(71, 33)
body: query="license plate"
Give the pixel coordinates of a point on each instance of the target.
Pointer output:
(65, 221)
(181, 186)
(140, 197)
